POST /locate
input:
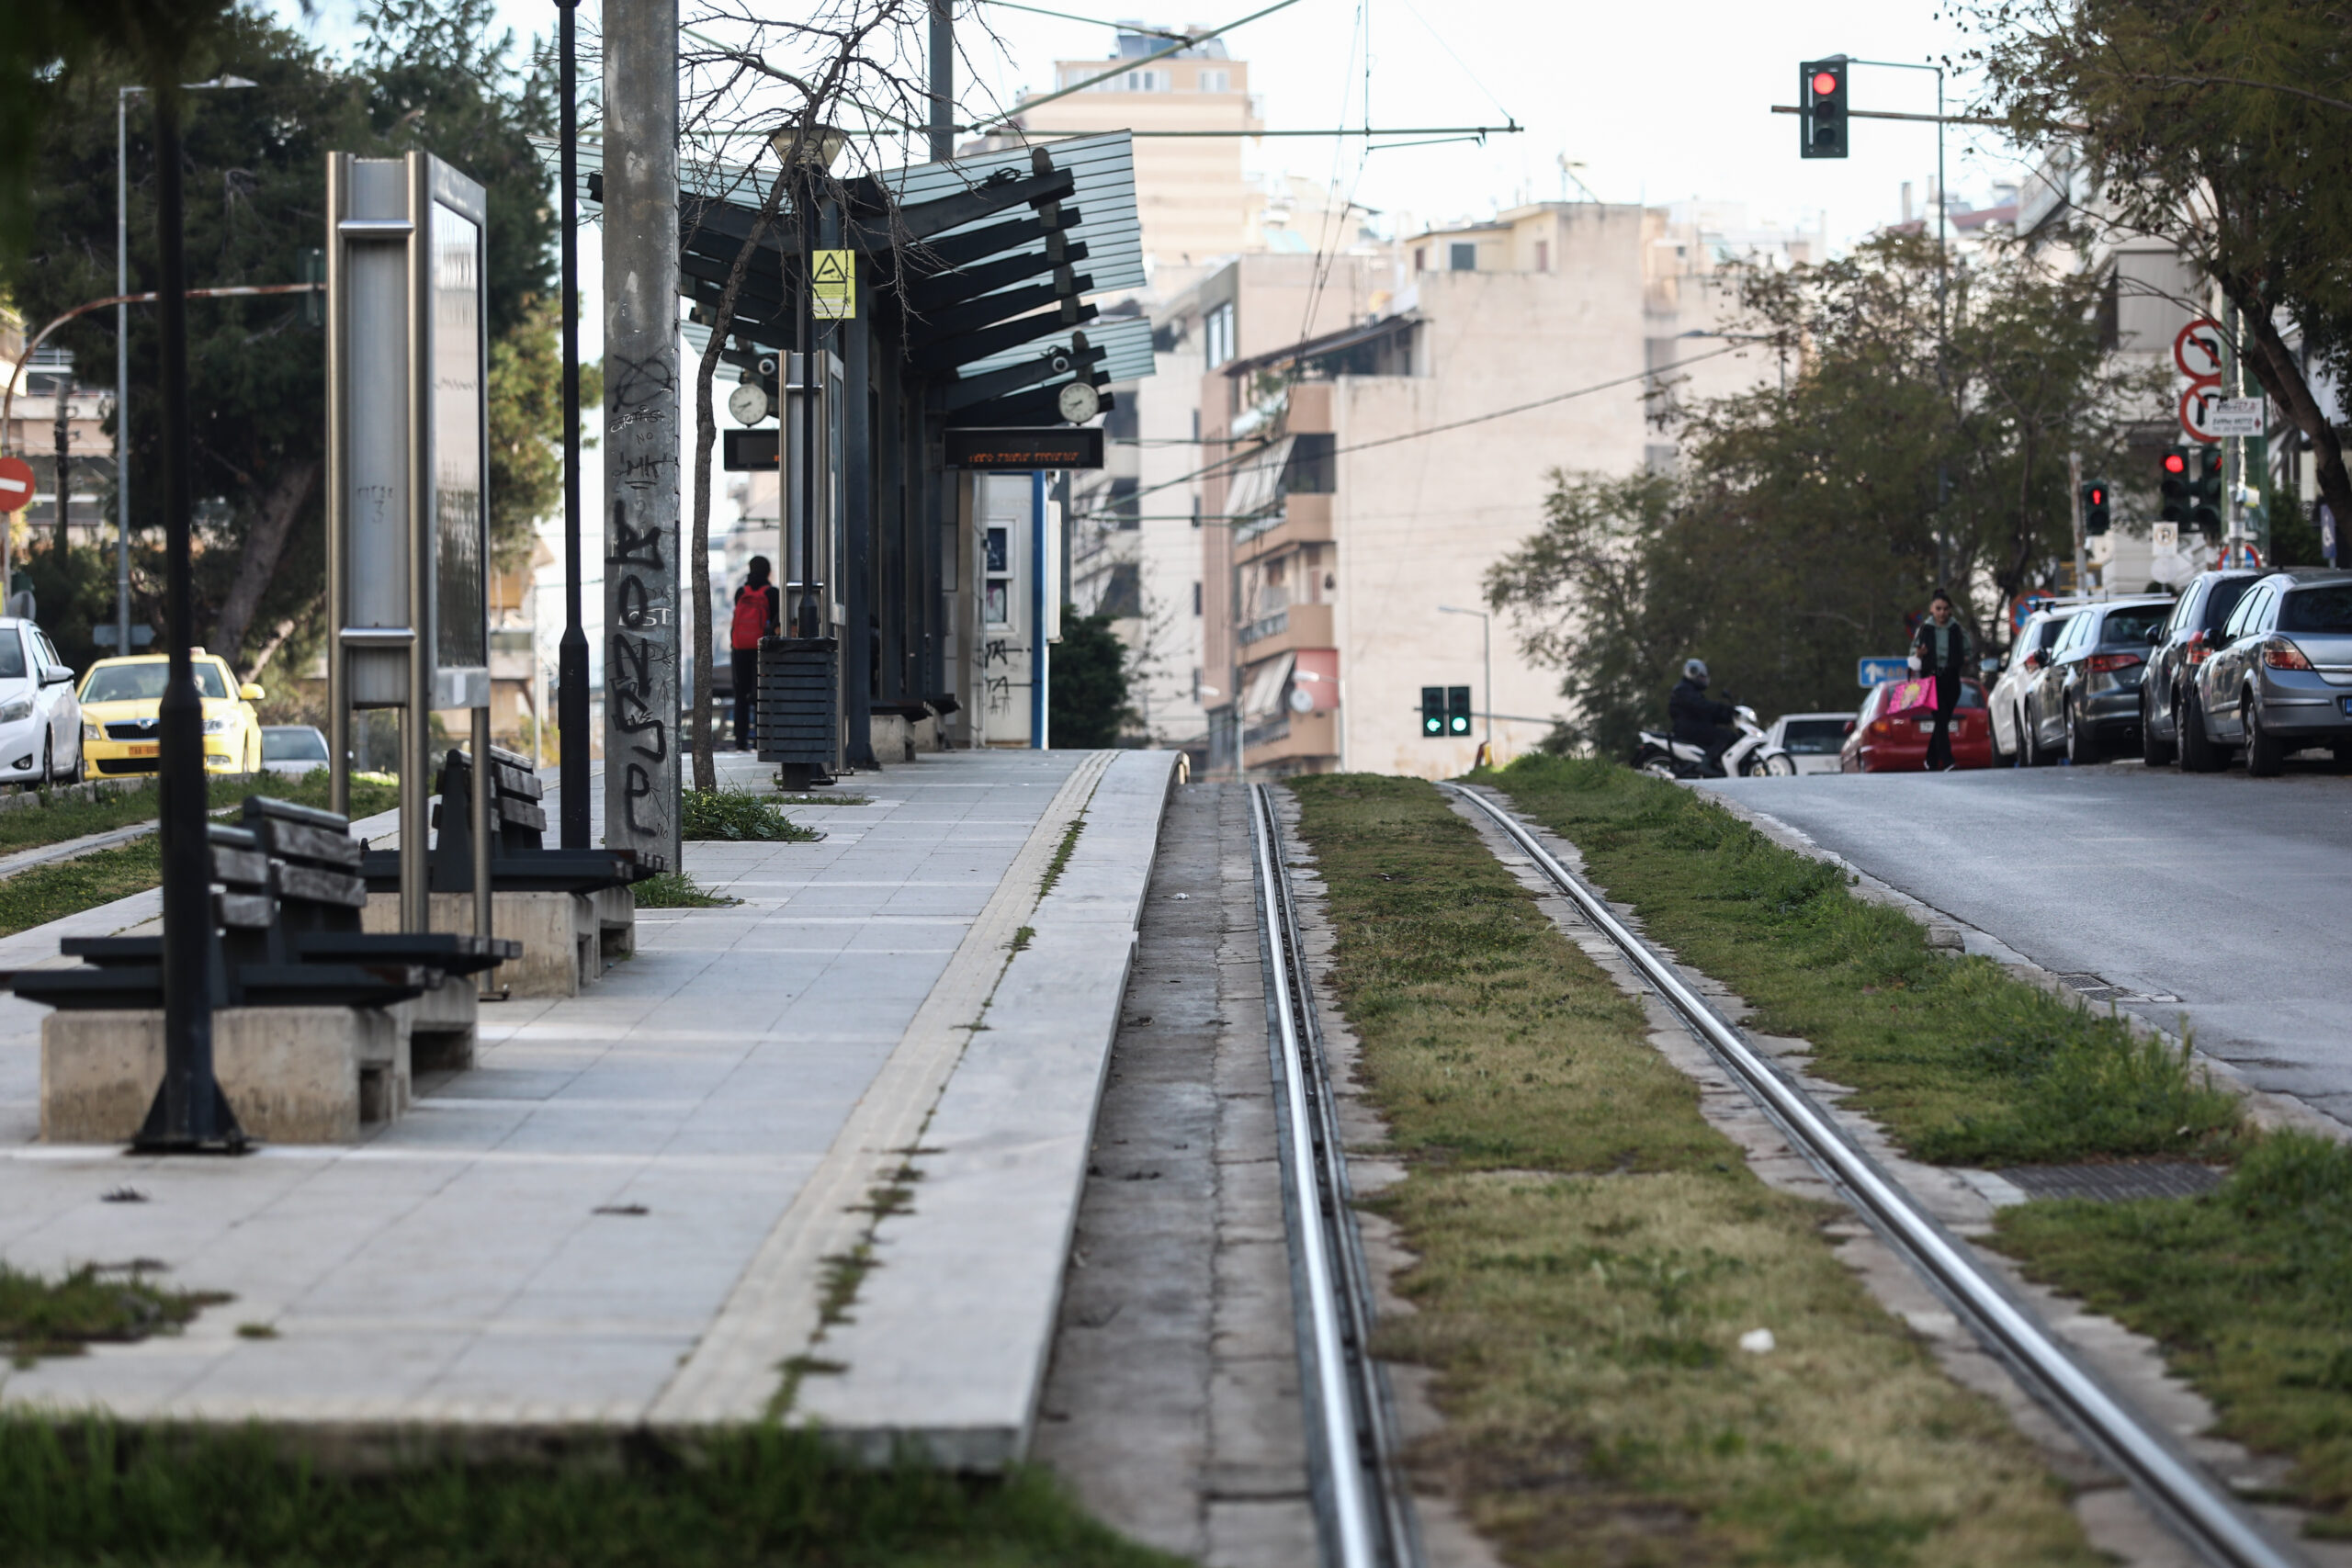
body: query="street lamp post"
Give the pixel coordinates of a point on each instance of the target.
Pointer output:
(571, 653)
(1487, 642)
(122, 347)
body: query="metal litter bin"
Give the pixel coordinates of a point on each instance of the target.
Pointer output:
(797, 717)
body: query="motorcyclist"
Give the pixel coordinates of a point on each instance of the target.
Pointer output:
(1698, 719)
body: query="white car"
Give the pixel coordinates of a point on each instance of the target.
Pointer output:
(1811, 740)
(2026, 659)
(40, 718)
(295, 748)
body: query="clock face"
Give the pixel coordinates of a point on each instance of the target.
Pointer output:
(1080, 402)
(748, 403)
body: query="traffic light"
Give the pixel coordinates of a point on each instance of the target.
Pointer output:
(2095, 513)
(1821, 93)
(1457, 710)
(2176, 484)
(1433, 712)
(2206, 491)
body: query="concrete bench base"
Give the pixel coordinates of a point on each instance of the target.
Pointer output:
(440, 1026)
(567, 938)
(292, 1075)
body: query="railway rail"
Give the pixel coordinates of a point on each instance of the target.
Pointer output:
(2198, 1509)
(1364, 1508)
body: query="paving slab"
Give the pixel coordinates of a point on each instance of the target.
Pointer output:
(618, 1217)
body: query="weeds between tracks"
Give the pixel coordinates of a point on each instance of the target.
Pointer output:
(1592, 1252)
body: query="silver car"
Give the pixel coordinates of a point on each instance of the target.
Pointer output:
(295, 748)
(40, 718)
(2282, 679)
(2085, 699)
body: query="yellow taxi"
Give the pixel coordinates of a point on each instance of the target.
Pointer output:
(120, 699)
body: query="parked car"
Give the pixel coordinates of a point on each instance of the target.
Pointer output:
(2027, 655)
(2281, 680)
(120, 699)
(1811, 740)
(296, 748)
(41, 721)
(1898, 744)
(2187, 640)
(2085, 698)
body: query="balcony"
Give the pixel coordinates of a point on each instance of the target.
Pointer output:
(1288, 742)
(1301, 625)
(1305, 520)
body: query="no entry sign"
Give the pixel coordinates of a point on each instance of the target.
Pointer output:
(15, 484)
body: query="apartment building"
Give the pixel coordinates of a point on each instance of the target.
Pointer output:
(57, 424)
(1387, 438)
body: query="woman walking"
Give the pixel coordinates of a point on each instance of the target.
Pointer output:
(758, 607)
(1940, 650)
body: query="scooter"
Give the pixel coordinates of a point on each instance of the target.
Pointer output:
(1751, 756)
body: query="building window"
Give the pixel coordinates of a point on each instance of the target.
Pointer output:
(1216, 334)
(1196, 599)
(1420, 258)
(1542, 255)
(996, 594)
(1120, 423)
(1314, 468)
(1123, 505)
(1216, 81)
(1461, 257)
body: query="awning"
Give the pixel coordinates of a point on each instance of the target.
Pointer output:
(1265, 695)
(1256, 484)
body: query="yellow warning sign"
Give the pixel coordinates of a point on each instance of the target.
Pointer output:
(835, 275)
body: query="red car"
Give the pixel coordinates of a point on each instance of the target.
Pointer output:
(1879, 744)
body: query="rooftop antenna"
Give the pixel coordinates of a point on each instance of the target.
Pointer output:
(1569, 167)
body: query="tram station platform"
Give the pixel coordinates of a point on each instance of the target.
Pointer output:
(816, 1154)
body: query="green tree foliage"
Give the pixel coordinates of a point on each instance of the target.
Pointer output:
(432, 78)
(1806, 524)
(1086, 696)
(2221, 127)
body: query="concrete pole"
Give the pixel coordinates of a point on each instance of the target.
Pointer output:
(2075, 506)
(121, 375)
(942, 81)
(641, 540)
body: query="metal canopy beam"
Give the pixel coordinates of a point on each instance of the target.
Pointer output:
(967, 347)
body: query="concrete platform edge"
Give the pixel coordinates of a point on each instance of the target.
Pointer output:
(949, 1339)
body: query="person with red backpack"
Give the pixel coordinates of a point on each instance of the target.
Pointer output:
(758, 608)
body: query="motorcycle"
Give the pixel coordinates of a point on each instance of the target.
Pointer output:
(1751, 756)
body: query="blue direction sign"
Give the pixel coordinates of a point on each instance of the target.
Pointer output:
(1870, 672)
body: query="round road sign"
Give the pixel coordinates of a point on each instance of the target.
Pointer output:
(2197, 349)
(2197, 405)
(15, 484)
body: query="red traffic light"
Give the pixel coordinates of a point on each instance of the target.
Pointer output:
(2175, 463)
(2097, 495)
(1823, 83)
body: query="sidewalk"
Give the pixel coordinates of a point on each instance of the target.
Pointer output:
(622, 1215)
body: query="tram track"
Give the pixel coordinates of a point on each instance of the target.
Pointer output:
(1363, 1507)
(2196, 1509)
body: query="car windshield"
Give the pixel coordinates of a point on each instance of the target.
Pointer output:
(1813, 736)
(2047, 633)
(2134, 625)
(293, 746)
(2327, 609)
(12, 657)
(144, 682)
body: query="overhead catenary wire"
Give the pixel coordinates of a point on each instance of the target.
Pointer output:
(1231, 459)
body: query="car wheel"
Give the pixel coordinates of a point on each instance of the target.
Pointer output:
(2264, 752)
(2198, 752)
(2155, 750)
(47, 761)
(2028, 739)
(1780, 765)
(74, 773)
(2000, 759)
(2082, 741)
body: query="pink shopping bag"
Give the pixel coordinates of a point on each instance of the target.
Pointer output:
(1911, 696)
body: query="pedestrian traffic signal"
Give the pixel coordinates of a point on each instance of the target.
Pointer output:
(1433, 712)
(1821, 95)
(2176, 484)
(2094, 512)
(2206, 491)
(1457, 710)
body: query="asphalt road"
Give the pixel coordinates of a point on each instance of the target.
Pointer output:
(2231, 892)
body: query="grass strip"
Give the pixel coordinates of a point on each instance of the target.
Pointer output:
(100, 1494)
(1591, 1254)
(1957, 1060)
(738, 815)
(2248, 1290)
(676, 890)
(46, 893)
(59, 1317)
